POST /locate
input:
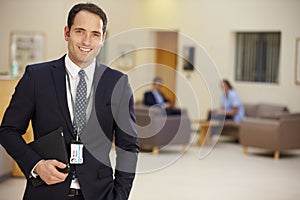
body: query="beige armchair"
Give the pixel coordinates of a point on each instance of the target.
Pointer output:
(274, 134)
(156, 129)
(259, 111)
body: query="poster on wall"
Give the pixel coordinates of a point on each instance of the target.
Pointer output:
(126, 59)
(297, 63)
(189, 58)
(25, 48)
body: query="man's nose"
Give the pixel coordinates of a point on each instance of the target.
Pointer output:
(87, 39)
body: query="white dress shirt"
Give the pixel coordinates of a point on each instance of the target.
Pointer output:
(159, 99)
(72, 70)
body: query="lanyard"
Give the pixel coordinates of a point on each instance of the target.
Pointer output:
(73, 104)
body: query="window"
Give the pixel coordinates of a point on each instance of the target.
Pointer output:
(257, 56)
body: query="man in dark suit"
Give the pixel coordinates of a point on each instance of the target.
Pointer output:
(156, 97)
(45, 95)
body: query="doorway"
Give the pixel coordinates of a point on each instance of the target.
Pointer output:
(166, 59)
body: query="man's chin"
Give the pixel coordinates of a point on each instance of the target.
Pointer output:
(87, 60)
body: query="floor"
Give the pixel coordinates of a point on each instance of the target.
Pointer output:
(214, 172)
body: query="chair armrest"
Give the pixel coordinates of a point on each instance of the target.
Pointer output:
(262, 133)
(289, 132)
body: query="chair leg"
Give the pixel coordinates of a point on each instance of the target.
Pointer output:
(155, 150)
(245, 150)
(276, 155)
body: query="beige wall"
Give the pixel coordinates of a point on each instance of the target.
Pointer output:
(210, 23)
(213, 22)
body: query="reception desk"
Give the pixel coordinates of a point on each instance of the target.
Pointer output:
(7, 88)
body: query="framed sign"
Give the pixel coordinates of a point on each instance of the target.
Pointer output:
(189, 58)
(25, 48)
(127, 57)
(297, 62)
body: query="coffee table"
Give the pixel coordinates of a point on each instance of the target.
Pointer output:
(204, 130)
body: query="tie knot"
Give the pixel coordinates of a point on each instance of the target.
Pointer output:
(81, 73)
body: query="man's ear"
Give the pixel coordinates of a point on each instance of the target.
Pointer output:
(104, 36)
(103, 39)
(66, 33)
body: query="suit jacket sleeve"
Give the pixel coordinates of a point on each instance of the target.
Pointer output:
(125, 138)
(149, 99)
(15, 122)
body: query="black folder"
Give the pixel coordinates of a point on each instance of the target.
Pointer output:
(51, 146)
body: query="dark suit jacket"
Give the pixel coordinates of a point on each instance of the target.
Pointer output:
(149, 98)
(41, 97)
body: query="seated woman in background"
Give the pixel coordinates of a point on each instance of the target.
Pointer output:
(231, 107)
(231, 104)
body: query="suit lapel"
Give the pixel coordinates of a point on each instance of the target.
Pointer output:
(59, 77)
(98, 74)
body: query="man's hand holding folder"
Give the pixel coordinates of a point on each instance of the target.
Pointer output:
(54, 166)
(49, 173)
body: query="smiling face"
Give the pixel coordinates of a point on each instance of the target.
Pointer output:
(85, 38)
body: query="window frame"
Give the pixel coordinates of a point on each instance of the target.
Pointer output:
(258, 56)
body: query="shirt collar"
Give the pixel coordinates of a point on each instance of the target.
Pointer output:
(73, 69)
(155, 91)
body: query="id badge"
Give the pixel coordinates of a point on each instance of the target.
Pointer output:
(76, 153)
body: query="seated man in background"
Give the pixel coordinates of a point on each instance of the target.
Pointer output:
(155, 97)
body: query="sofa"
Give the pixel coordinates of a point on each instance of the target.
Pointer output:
(271, 127)
(157, 130)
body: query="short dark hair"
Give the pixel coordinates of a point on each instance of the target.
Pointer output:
(157, 80)
(90, 7)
